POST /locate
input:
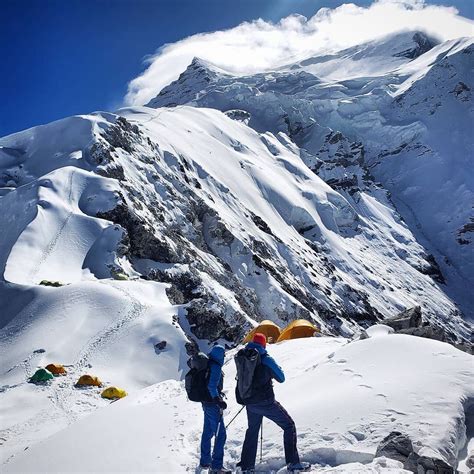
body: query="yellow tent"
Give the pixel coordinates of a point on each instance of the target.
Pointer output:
(56, 369)
(267, 327)
(297, 329)
(89, 380)
(113, 392)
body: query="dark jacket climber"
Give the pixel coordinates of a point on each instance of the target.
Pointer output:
(261, 404)
(213, 416)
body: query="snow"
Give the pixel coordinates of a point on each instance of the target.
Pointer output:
(413, 117)
(105, 328)
(321, 198)
(344, 396)
(96, 324)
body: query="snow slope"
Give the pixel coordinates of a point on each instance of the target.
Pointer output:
(106, 328)
(404, 101)
(220, 200)
(344, 396)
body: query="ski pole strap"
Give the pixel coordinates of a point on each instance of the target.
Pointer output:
(235, 416)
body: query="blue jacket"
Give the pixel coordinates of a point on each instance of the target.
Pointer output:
(268, 361)
(216, 361)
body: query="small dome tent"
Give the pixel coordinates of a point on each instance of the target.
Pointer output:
(267, 327)
(298, 329)
(41, 375)
(113, 392)
(56, 369)
(87, 379)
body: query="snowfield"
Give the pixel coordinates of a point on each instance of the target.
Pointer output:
(344, 396)
(107, 328)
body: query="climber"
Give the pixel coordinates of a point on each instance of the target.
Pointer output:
(213, 407)
(255, 371)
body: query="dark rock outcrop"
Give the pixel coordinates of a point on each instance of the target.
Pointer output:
(410, 318)
(398, 446)
(395, 446)
(160, 346)
(412, 323)
(422, 45)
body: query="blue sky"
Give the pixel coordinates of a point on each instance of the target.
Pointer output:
(67, 57)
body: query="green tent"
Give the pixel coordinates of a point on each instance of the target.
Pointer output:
(41, 375)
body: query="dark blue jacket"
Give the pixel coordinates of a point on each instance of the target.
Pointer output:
(262, 385)
(216, 377)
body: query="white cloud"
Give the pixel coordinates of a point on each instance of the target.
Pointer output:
(260, 45)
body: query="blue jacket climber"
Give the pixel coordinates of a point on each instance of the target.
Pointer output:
(214, 426)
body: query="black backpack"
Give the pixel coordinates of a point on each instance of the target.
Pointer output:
(246, 361)
(196, 380)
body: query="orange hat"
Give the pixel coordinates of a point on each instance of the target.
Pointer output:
(260, 338)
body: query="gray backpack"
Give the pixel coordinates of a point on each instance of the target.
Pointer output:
(246, 361)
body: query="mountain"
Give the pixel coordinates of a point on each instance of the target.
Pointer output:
(336, 189)
(400, 112)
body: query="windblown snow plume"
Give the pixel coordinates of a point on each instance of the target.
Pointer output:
(259, 45)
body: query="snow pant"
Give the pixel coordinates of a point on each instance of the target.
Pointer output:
(214, 427)
(272, 410)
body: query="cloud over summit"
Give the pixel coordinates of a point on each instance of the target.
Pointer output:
(260, 45)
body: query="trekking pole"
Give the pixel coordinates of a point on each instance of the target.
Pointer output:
(238, 413)
(261, 441)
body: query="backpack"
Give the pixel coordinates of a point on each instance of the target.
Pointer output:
(246, 361)
(196, 380)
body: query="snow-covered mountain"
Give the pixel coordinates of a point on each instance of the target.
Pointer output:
(337, 189)
(399, 110)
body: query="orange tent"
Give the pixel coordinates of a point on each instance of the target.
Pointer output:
(298, 329)
(89, 380)
(56, 369)
(267, 327)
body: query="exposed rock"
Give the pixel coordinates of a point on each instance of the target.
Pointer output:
(239, 115)
(210, 321)
(410, 318)
(426, 465)
(422, 44)
(411, 322)
(174, 295)
(143, 241)
(432, 269)
(160, 346)
(55, 284)
(398, 446)
(122, 134)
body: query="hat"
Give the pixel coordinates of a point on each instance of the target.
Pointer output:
(260, 338)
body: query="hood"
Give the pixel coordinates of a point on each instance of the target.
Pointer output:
(217, 354)
(254, 345)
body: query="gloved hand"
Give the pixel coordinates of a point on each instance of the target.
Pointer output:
(222, 404)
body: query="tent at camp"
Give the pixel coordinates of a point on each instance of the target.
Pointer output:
(113, 392)
(298, 329)
(87, 379)
(41, 375)
(267, 327)
(56, 369)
